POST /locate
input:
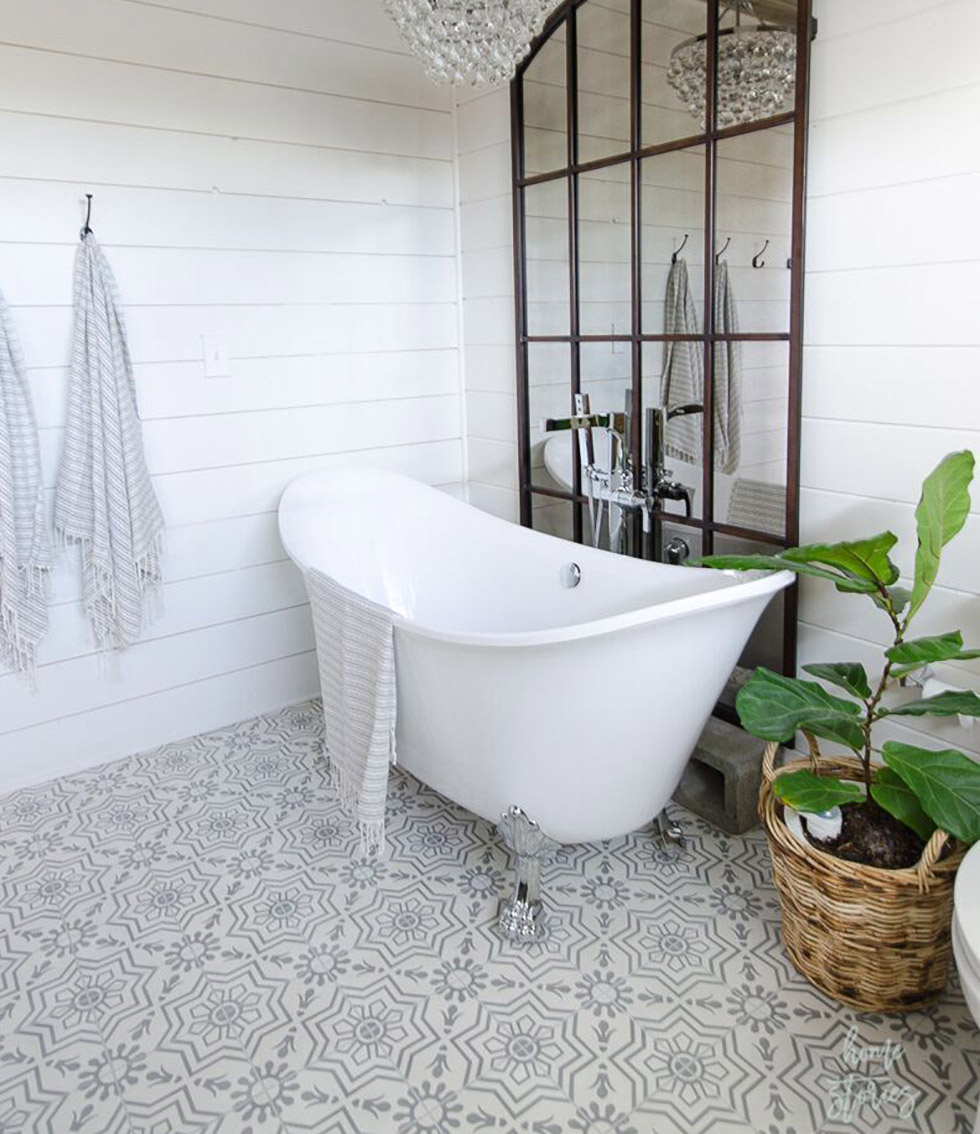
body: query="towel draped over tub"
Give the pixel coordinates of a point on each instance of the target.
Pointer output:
(356, 654)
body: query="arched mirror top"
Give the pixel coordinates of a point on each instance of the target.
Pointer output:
(608, 78)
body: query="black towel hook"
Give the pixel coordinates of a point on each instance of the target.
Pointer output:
(86, 229)
(757, 261)
(719, 255)
(678, 251)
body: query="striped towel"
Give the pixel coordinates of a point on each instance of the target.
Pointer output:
(25, 554)
(758, 506)
(728, 377)
(356, 652)
(683, 374)
(104, 499)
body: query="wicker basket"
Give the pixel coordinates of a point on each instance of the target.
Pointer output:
(874, 939)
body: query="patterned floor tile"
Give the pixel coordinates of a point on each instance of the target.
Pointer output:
(313, 1099)
(190, 944)
(159, 1094)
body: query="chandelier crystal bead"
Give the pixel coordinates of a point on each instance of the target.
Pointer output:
(756, 74)
(469, 42)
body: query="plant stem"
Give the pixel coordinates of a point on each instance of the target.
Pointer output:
(869, 720)
(875, 700)
(889, 608)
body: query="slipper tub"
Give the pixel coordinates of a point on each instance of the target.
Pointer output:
(531, 671)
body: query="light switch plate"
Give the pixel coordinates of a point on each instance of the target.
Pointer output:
(215, 354)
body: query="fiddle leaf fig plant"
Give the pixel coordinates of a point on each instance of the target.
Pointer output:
(923, 789)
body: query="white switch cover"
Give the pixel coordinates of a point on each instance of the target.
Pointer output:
(216, 364)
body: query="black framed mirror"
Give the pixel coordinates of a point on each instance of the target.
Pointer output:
(659, 154)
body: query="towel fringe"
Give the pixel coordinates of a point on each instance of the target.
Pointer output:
(18, 651)
(100, 589)
(372, 831)
(18, 648)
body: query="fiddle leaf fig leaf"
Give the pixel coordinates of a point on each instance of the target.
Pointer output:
(940, 515)
(845, 675)
(892, 793)
(773, 707)
(946, 783)
(901, 597)
(914, 654)
(895, 599)
(804, 791)
(922, 650)
(953, 703)
(779, 563)
(862, 559)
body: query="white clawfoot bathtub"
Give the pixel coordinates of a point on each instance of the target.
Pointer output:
(580, 704)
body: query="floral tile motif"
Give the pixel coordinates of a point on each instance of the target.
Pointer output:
(190, 944)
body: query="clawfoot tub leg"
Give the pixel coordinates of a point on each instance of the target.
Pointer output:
(521, 916)
(669, 834)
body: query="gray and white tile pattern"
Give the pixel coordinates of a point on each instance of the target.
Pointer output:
(188, 945)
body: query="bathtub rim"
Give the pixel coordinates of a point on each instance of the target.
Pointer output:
(764, 583)
(744, 586)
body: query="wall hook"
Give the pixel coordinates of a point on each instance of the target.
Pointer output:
(86, 228)
(678, 251)
(724, 249)
(757, 260)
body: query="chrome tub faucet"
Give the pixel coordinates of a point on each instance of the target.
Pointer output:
(616, 488)
(660, 482)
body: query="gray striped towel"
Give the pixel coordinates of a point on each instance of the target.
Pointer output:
(356, 653)
(25, 553)
(682, 382)
(104, 499)
(758, 506)
(683, 373)
(728, 377)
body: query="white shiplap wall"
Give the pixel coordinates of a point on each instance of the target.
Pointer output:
(892, 361)
(278, 173)
(487, 272)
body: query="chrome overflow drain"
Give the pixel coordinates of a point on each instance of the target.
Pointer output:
(571, 575)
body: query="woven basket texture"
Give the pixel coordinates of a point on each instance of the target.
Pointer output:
(874, 939)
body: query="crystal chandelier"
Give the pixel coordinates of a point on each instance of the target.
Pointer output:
(469, 41)
(756, 70)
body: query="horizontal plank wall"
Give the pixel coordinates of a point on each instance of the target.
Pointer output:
(278, 174)
(487, 284)
(892, 360)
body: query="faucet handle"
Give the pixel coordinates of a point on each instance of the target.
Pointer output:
(656, 436)
(578, 421)
(586, 449)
